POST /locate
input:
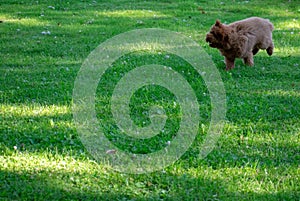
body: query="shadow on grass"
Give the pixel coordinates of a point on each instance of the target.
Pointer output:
(67, 186)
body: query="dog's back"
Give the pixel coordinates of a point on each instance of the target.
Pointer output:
(253, 24)
(256, 29)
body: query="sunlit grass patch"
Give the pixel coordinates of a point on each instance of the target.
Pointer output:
(292, 24)
(24, 21)
(34, 110)
(131, 13)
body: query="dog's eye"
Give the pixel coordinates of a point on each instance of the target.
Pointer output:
(214, 34)
(217, 35)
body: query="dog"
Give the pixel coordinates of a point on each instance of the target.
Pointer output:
(241, 39)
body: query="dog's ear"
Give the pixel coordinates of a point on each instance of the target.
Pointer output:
(218, 23)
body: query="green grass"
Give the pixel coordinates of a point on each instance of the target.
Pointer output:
(41, 157)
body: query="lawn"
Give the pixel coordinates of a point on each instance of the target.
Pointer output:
(43, 46)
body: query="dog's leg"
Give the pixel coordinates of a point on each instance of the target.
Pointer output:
(270, 50)
(249, 60)
(229, 63)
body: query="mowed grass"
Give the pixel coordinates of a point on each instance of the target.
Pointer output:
(43, 45)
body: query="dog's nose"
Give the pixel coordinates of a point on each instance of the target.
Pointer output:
(207, 39)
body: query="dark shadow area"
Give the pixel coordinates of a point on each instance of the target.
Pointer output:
(64, 186)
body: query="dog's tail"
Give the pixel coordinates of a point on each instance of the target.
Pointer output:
(271, 25)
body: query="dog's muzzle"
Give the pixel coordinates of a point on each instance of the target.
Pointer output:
(209, 41)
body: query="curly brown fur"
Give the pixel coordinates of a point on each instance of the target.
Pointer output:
(241, 39)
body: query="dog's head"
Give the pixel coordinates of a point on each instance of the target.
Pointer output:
(217, 37)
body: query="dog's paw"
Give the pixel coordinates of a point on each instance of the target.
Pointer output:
(270, 51)
(249, 61)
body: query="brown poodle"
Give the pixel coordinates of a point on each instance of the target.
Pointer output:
(241, 39)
